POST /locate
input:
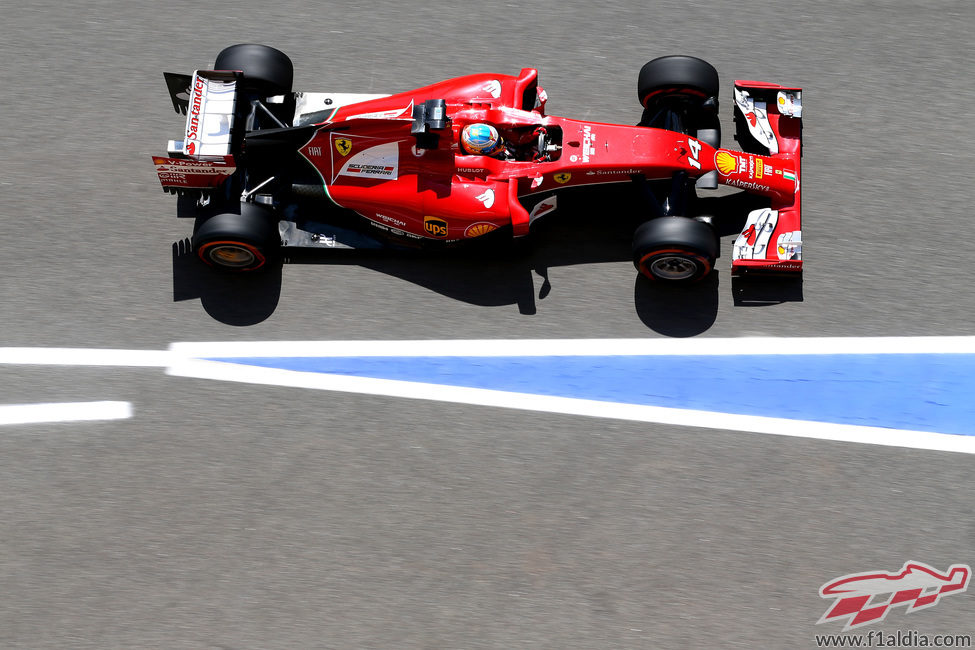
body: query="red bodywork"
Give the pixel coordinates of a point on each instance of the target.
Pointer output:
(369, 161)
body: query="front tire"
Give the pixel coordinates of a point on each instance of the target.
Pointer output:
(677, 75)
(238, 242)
(675, 250)
(679, 93)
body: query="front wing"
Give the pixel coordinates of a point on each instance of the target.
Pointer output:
(771, 240)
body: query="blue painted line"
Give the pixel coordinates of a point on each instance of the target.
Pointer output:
(921, 392)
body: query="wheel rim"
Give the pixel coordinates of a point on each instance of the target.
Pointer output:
(232, 255)
(673, 267)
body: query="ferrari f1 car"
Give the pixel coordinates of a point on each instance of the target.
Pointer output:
(389, 170)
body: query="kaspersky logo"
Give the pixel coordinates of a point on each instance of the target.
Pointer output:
(866, 598)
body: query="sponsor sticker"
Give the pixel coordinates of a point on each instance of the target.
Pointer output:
(562, 178)
(745, 185)
(381, 161)
(612, 172)
(789, 245)
(392, 220)
(588, 138)
(478, 229)
(195, 109)
(725, 162)
(493, 88)
(435, 227)
(373, 171)
(177, 172)
(486, 197)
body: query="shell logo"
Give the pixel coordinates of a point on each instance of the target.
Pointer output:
(725, 162)
(478, 229)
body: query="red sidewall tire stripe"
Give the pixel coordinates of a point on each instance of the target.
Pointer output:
(644, 268)
(202, 254)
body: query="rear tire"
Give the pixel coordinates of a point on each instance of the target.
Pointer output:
(266, 70)
(675, 249)
(238, 242)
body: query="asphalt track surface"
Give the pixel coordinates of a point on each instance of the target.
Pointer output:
(241, 516)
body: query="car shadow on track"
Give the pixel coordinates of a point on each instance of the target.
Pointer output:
(239, 299)
(588, 230)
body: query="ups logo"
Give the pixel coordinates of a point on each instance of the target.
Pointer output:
(435, 227)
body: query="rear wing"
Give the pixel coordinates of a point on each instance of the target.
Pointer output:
(203, 158)
(209, 115)
(770, 116)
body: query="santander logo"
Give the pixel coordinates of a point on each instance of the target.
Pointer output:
(196, 107)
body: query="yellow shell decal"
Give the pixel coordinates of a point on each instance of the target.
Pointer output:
(343, 146)
(725, 162)
(478, 229)
(562, 177)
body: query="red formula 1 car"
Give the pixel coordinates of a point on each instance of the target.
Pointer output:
(332, 170)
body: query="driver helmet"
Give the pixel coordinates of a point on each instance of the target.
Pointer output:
(482, 139)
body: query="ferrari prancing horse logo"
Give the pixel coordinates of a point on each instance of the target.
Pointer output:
(343, 146)
(563, 177)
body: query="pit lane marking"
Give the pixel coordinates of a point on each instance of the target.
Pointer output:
(932, 379)
(84, 357)
(64, 412)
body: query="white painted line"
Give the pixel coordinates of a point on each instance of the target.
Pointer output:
(573, 406)
(580, 347)
(64, 412)
(84, 357)
(189, 359)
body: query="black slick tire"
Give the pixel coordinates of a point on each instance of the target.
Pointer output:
(238, 242)
(266, 70)
(675, 250)
(677, 74)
